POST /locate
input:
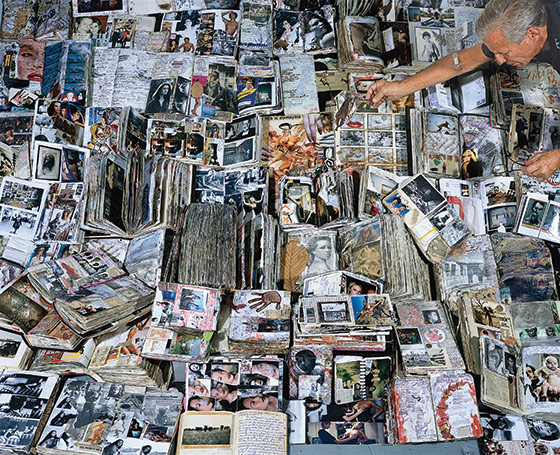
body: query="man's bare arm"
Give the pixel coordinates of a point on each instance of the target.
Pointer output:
(440, 71)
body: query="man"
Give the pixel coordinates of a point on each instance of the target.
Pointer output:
(513, 32)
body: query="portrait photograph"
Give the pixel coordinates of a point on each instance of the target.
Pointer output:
(48, 163)
(427, 44)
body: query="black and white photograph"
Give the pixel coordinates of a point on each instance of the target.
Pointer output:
(159, 97)
(23, 384)
(9, 349)
(552, 139)
(21, 194)
(240, 129)
(441, 219)
(380, 138)
(380, 121)
(428, 44)
(415, 357)
(503, 427)
(510, 364)
(494, 356)
(543, 430)
(333, 312)
(48, 163)
(238, 152)
(322, 257)
(431, 317)
(352, 138)
(17, 432)
(423, 194)
(454, 231)
(206, 431)
(18, 222)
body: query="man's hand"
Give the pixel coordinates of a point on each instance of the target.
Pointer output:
(312, 124)
(542, 165)
(381, 91)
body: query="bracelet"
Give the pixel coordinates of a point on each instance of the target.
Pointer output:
(456, 61)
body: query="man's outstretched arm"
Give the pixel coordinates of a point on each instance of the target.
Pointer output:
(440, 71)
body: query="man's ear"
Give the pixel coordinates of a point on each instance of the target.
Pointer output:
(534, 32)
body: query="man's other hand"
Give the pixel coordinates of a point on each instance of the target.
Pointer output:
(381, 91)
(542, 165)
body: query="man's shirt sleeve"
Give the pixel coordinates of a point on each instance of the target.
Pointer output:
(487, 51)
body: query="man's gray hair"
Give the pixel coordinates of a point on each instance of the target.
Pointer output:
(512, 17)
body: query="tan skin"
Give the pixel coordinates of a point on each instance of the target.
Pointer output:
(542, 165)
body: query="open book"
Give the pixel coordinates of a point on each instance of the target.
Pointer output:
(243, 433)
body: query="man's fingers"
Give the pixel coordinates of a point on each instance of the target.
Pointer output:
(374, 88)
(378, 99)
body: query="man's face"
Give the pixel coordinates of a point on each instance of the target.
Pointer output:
(515, 54)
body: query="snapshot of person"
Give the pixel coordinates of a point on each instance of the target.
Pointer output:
(512, 31)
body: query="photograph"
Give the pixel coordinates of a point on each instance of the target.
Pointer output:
(441, 219)
(22, 223)
(380, 138)
(500, 216)
(455, 231)
(334, 312)
(380, 121)
(542, 430)
(552, 139)
(206, 431)
(48, 163)
(503, 427)
(321, 258)
(366, 40)
(423, 194)
(409, 336)
(72, 164)
(159, 97)
(238, 152)
(431, 317)
(428, 44)
(494, 358)
(534, 213)
(22, 195)
(351, 138)
(510, 364)
(551, 224)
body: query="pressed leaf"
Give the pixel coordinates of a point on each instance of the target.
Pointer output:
(293, 260)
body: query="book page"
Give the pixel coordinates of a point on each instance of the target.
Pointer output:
(258, 432)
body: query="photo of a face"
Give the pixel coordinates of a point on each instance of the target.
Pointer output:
(30, 60)
(534, 214)
(431, 317)
(48, 163)
(494, 357)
